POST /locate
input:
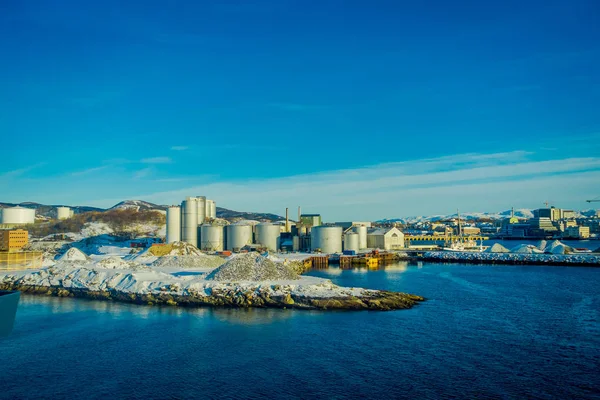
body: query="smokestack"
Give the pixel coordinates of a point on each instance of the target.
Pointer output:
(287, 220)
(299, 214)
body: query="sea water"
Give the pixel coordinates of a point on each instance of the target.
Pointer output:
(484, 331)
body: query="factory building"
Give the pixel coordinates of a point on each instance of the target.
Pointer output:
(64, 213)
(390, 239)
(13, 239)
(18, 216)
(310, 220)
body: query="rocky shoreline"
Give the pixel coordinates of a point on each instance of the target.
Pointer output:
(233, 296)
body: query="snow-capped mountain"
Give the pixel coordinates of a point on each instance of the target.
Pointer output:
(138, 205)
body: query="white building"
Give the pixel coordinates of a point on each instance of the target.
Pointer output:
(386, 239)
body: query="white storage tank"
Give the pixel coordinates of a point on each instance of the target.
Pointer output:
(189, 221)
(211, 237)
(268, 235)
(351, 241)
(201, 204)
(238, 236)
(63, 213)
(173, 224)
(362, 236)
(295, 243)
(211, 209)
(18, 215)
(326, 238)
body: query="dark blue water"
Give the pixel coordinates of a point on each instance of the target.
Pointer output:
(486, 332)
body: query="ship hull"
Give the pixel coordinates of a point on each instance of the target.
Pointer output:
(9, 300)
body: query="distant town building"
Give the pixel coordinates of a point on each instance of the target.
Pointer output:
(578, 232)
(470, 230)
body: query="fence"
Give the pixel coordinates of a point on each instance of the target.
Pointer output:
(14, 261)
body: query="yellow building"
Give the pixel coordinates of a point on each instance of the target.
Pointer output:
(13, 240)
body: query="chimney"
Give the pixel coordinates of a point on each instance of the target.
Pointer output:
(299, 214)
(287, 220)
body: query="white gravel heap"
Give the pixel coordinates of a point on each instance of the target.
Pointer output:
(526, 249)
(74, 254)
(252, 267)
(557, 247)
(119, 263)
(497, 248)
(189, 261)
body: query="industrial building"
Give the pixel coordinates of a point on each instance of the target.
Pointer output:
(13, 239)
(17, 216)
(390, 239)
(577, 232)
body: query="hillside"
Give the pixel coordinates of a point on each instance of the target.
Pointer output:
(137, 205)
(230, 215)
(50, 210)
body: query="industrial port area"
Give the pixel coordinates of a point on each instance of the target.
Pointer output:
(307, 237)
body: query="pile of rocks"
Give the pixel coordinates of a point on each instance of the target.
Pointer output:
(253, 267)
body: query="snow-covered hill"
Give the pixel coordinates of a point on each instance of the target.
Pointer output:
(138, 205)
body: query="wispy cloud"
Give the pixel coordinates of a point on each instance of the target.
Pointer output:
(89, 170)
(156, 160)
(21, 171)
(143, 173)
(179, 148)
(486, 181)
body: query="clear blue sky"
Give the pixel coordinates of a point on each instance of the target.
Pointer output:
(354, 109)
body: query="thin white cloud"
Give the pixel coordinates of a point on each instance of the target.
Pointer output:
(143, 173)
(156, 160)
(474, 181)
(179, 148)
(89, 170)
(21, 171)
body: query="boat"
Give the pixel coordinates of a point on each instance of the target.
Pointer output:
(9, 300)
(464, 244)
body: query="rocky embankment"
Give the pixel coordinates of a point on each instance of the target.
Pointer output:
(243, 281)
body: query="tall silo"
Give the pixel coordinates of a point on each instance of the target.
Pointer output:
(63, 213)
(201, 203)
(238, 236)
(211, 237)
(18, 215)
(326, 238)
(211, 212)
(362, 236)
(351, 241)
(189, 221)
(268, 235)
(173, 224)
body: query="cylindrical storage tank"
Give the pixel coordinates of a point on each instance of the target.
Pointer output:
(238, 236)
(351, 241)
(301, 230)
(268, 235)
(173, 224)
(201, 202)
(362, 236)
(211, 209)
(189, 221)
(71, 213)
(63, 212)
(18, 215)
(211, 237)
(296, 243)
(326, 238)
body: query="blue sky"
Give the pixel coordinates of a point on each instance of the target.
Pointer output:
(355, 109)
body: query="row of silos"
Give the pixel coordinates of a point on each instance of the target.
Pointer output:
(184, 223)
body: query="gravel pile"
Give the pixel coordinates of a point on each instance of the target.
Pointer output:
(188, 261)
(497, 248)
(526, 249)
(252, 267)
(74, 254)
(119, 263)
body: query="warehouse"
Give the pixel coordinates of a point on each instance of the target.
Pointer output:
(386, 239)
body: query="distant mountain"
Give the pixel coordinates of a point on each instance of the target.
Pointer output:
(230, 214)
(523, 213)
(138, 205)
